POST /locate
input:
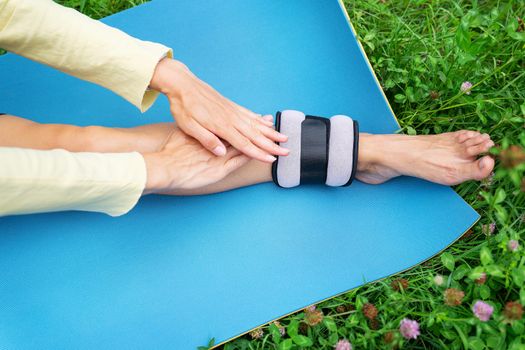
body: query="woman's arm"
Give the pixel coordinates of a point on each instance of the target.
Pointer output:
(65, 39)
(146, 139)
(24, 133)
(33, 181)
(110, 180)
(91, 50)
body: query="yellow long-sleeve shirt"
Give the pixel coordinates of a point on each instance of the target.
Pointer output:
(39, 181)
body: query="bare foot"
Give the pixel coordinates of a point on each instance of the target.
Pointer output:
(448, 159)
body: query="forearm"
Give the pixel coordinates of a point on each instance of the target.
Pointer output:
(78, 45)
(24, 133)
(253, 173)
(146, 139)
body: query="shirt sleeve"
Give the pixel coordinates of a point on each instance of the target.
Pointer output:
(33, 181)
(65, 39)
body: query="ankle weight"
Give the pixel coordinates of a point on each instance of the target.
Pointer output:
(322, 150)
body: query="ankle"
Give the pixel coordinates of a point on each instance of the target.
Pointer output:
(370, 151)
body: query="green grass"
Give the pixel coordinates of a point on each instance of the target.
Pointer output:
(100, 8)
(422, 51)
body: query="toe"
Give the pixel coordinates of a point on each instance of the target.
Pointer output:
(476, 140)
(464, 135)
(479, 148)
(485, 165)
(475, 170)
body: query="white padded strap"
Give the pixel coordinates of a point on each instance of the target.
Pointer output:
(340, 152)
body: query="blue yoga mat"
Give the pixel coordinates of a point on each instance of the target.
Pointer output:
(176, 272)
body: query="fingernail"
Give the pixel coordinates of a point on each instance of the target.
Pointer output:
(219, 150)
(285, 150)
(268, 118)
(270, 158)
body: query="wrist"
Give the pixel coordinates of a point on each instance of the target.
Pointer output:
(168, 76)
(155, 174)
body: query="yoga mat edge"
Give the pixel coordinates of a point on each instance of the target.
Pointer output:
(347, 291)
(365, 56)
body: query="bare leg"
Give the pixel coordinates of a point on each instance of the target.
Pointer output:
(449, 158)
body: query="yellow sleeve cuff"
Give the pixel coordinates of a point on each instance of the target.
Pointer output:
(67, 40)
(150, 95)
(33, 181)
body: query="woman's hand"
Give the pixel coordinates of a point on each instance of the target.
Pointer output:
(183, 164)
(206, 115)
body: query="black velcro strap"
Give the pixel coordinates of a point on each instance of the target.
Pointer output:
(276, 162)
(315, 134)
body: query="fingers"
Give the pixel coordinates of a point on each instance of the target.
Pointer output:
(232, 161)
(269, 131)
(208, 116)
(243, 144)
(273, 134)
(235, 163)
(263, 119)
(257, 144)
(263, 137)
(211, 142)
(266, 127)
(267, 120)
(255, 139)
